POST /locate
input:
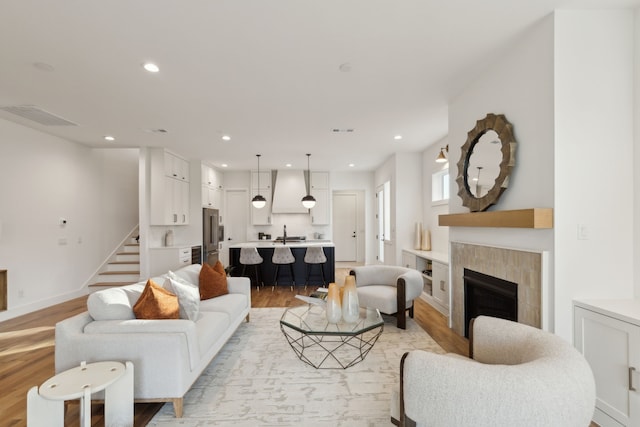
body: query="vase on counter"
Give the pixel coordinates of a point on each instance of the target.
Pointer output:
(168, 238)
(417, 238)
(426, 240)
(350, 304)
(333, 307)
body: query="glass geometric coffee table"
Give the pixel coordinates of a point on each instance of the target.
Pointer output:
(325, 345)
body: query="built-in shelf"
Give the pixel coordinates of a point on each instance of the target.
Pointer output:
(520, 218)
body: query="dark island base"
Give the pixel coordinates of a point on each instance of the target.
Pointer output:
(268, 269)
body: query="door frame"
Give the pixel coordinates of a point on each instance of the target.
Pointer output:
(361, 235)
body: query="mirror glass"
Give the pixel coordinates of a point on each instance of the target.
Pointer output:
(484, 164)
(486, 161)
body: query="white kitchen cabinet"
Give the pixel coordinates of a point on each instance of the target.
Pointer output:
(172, 258)
(607, 333)
(265, 180)
(261, 216)
(319, 186)
(319, 180)
(320, 212)
(211, 197)
(176, 167)
(211, 177)
(440, 284)
(212, 187)
(169, 194)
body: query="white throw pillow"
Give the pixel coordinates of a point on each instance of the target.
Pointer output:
(188, 296)
(110, 304)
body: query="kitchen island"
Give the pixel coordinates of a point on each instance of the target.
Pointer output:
(298, 249)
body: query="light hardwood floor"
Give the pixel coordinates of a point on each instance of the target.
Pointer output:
(27, 351)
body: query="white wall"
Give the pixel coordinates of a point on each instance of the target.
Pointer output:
(430, 211)
(594, 58)
(519, 85)
(404, 171)
(42, 179)
(563, 136)
(361, 182)
(636, 159)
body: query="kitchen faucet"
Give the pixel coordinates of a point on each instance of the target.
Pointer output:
(284, 235)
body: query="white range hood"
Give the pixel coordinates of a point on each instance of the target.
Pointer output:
(289, 190)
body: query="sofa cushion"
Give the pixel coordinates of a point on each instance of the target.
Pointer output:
(128, 328)
(188, 296)
(190, 273)
(232, 304)
(213, 281)
(114, 303)
(210, 327)
(156, 303)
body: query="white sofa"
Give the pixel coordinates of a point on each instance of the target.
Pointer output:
(518, 376)
(168, 355)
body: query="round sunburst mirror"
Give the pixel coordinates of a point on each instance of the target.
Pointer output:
(486, 162)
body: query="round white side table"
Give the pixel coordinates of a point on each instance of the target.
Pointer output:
(115, 378)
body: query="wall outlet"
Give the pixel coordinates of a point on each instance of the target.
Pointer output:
(20, 293)
(62, 241)
(583, 232)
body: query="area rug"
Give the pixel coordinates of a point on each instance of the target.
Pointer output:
(257, 380)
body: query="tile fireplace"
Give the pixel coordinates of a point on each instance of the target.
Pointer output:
(499, 275)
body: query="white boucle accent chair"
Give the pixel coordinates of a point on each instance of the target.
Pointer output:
(390, 289)
(518, 376)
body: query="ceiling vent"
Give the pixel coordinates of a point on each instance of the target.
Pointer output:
(38, 115)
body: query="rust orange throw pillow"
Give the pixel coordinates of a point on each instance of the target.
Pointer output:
(213, 281)
(156, 302)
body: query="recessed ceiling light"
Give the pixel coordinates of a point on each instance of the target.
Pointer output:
(397, 137)
(288, 165)
(109, 138)
(224, 165)
(151, 67)
(351, 165)
(226, 138)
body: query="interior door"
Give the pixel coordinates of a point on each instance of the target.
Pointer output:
(235, 221)
(345, 226)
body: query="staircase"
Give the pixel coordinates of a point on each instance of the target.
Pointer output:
(123, 268)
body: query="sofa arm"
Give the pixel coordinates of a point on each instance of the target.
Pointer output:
(239, 285)
(151, 353)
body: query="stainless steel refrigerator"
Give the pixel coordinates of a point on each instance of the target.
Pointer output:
(212, 235)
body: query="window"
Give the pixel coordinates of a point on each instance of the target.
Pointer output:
(440, 187)
(383, 195)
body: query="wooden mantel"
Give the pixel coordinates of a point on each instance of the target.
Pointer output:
(520, 218)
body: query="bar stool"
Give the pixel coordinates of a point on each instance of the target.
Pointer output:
(315, 256)
(282, 255)
(251, 257)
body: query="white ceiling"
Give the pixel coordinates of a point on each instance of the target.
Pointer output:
(265, 72)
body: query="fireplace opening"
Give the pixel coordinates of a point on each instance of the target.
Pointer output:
(489, 296)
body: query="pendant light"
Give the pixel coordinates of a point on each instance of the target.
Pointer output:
(258, 201)
(308, 201)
